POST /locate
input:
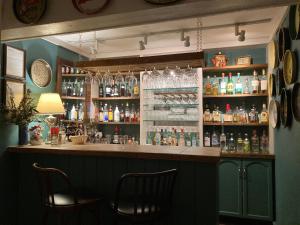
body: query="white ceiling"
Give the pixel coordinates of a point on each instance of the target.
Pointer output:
(124, 41)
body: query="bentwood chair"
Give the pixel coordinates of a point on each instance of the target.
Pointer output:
(143, 198)
(63, 203)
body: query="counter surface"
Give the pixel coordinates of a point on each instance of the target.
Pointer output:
(249, 155)
(207, 155)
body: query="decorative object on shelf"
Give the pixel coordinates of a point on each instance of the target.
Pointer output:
(161, 2)
(89, 7)
(284, 42)
(243, 60)
(289, 67)
(279, 81)
(29, 12)
(271, 85)
(79, 139)
(35, 134)
(285, 107)
(219, 60)
(274, 113)
(296, 101)
(294, 21)
(41, 73)
(14, 62)
(272, 55)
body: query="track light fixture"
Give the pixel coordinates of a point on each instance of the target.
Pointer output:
(186, 39)
(143, 43)
(240, 34)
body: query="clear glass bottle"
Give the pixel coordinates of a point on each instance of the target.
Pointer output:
(231, 143)
(264, 142)
(73, 113)
(235, 116)
(194, 140)
(253, 115)
(132, 114)
(230, 87)
(238, 85)
(264, 82)
(108, 90)
(136, 88)
(116, 114)
(123, 88)
(101, 113)
(127, 113)
(81, 89)
(64, 88)
(228, 117)
(223, 85)
(101, 90)
(80, 112)
(255, 83)
(105, 113)
(246, 147)
(216, 114)
(264, 115)
(223, 140)
(239, 143)
(254, 142)
(157, 137)
(122, 113)
(115, 89)
(215, 141)
(207, 139)
(188, 140)
(207, 115)
(247, 88)
(181, 141)
(208, 86)
(215, 88)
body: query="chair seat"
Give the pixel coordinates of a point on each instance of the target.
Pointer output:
(127, 209)
(68, 200)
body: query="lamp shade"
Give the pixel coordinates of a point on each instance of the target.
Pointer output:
(50, 103)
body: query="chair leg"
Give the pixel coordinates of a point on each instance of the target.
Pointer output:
(45, 217)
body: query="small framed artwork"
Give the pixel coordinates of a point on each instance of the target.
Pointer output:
(13, 89)
(14, 62)
(243, 60)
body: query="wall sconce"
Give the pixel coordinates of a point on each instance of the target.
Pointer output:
(143, 43)
(240, 34)
(186, 39)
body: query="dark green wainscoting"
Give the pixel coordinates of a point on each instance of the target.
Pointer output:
(195, 194)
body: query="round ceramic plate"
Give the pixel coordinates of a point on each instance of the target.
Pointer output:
(289, 67)
(89, 7)
(296, 101)
(294, 21)
(285, 107)
(274, 113)
(41, 73)
(272, 54)
(29, 12)
(161, 1)
(279, 81)
(284, 42)
(271, 85)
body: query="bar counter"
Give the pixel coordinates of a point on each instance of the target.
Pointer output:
(208, 155)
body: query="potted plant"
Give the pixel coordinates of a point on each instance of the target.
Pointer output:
(21, 115)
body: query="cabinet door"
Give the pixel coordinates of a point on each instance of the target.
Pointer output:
(230, 197)
(257, 189)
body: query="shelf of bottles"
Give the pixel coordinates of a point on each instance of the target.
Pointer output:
(170, 107)
(235, 114)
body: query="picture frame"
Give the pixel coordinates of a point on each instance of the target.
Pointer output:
(15, 88)
(243, 60)
(14, 62)
(29, 12)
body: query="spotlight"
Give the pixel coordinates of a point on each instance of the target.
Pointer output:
(240, 34)
(186, 39)
(143, 43)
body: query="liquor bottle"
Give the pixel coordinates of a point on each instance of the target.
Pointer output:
(108, 90)
(207, 139)
(215, 139)
(157, 137)
(116, 135)
(215, 88)
(132, 114)
(127, 113)
(254, 142)
(216, 114)
(208, 87)
(207, 115)
(101, 113)
(81, 89)
(101, 91)
(169, 139)
(263, 82)
(181, 138)
(188, 140)
(174, 138)
(246, 89)
(231, 143)
(228, 115)
(74, 88)
(105, 113)
(255, 83)
(149, 138)
(264, 142)
(235, 115)
(239, 143)
(116, 114)
(77, 111)
(161, 137)
(229, 87)
(122, 114)
(115, 89)
(223, 85)
(253, 115)
(194, 140)
(223, 140)
(123, 88)
(64, 88)
(238, 85)
(73, 113)
(70, 88)
(264, 115)
(110, 114)
(246, 146)
(165, 136)
(80, 112)
(77, 87)
(243, 116)
(136, 88)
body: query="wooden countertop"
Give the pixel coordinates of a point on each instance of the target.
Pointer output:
(206, 155)
(249, 155)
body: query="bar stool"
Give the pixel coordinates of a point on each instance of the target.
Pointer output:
(143, 198)
(63, 203)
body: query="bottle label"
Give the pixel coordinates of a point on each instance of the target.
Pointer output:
(136, 90)
(207, 141)
(101, 117)
(264, 117)
(263, 85)
(255, 84)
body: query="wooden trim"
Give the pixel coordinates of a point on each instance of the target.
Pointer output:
(115, 98)
(235, 67)
(118, 123)
(247, 155)
(72, 98)
(236, 96)
(234, 124)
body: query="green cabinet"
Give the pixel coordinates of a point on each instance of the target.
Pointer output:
(246, 188)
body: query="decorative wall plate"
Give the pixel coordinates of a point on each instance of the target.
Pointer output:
(89, 7)
(279, 81)
(274, 113)
(271, 85)
(272, 55)
(161, 1)
(284, 42)
(285, 107)
(294, 21)
(289, 67)
(29, 12)
(296, 101)
(41, 73)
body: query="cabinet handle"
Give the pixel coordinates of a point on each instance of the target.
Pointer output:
(244, 173)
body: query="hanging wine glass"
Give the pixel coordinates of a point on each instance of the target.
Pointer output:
(145, 78)
(166, 77)
(155, 78)
(178, 75)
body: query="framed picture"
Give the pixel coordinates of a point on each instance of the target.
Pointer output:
(89, 7)
(15, 89)
(243, 60)
(14, 62)
(29, 11)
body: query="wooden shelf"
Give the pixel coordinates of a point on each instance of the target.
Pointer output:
(235, 67)
(115, 98)
(73, 75)
(72, 98)
(71, 121)
(235, 124)
(236, 96)
(119, 123)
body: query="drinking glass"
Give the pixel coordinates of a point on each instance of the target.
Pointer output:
(145, 78)
(155, 78)
(166, 77)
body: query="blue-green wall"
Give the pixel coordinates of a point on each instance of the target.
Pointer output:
(35, 49)
(287, 169)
